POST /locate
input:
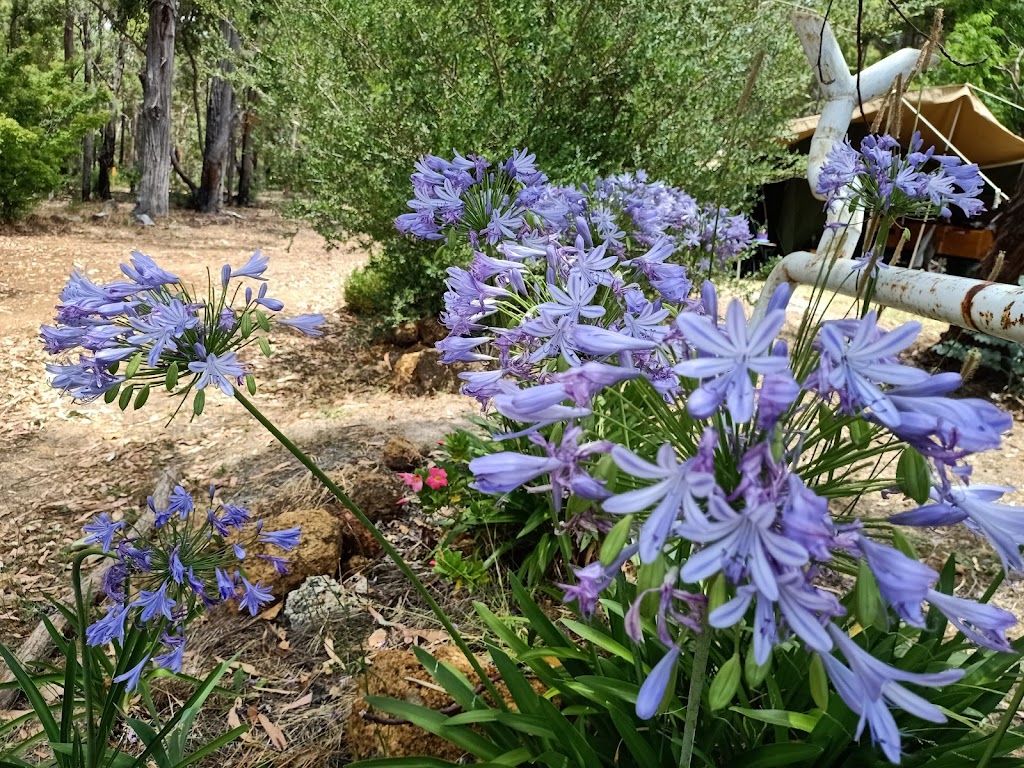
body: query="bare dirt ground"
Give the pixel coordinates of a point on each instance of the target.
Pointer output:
(63, 461)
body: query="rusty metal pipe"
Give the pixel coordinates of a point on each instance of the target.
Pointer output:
(993, 308)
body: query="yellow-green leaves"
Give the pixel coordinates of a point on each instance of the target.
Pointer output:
(725, 684)
(615, 541)
(913, 475)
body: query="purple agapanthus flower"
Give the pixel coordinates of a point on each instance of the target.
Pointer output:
(287, 539)
(308, 325)
(219, 371)
(593, 579)
(903, 582)
(181, 503)
(254, 596)
(536, 406)
(133, 676)
(145, 272)
(653, 689)
(869, 687)
(678, 486)
(227, 583)
(856, 356)
(506, 471)
(456, 349)
(175, 567)
(155, 602)
(254, 267)
(976, 506)
(173, 657)
(740, 544)
(109, 628)
(585, 381)
(730, 356)
(101, 531)
(982, 624)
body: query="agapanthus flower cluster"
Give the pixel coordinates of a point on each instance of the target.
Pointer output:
(580, 323)
(153, 330)
(916, 185)
(193, 558)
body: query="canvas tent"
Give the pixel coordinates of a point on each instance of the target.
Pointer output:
(954, 120)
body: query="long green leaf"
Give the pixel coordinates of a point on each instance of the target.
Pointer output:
(796, 720)
(531, 724)
(213, 746)
(600, 639)
(437, 724)
(35, 698)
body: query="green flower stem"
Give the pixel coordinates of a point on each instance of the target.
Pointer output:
(697, 678)
(1004, 724)
(83, 622)
(379, 537)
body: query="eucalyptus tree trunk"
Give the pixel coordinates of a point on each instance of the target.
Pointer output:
(220, 112)
(109, 147)
(248, 166)
(229, 169)
(154, 146)
(87, 140)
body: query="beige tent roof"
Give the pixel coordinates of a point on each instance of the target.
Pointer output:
(956, 112)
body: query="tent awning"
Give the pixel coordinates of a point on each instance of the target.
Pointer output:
(955, 111)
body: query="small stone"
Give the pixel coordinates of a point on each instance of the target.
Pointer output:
(375, 493)
(144, 220)
(318, 602)
(421, 373)
(400, 455)
(406, 334)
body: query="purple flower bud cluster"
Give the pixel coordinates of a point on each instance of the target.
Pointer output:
(917, 185)
(187, 563)
(153, 330)
(575, 316)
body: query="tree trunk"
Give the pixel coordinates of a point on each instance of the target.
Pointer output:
(248, 167)
(229, 170)
(18, 9)
(87, 140)
(1009, 240)
(69, 37)
(220, 112)
(155, 121)
(109, 147)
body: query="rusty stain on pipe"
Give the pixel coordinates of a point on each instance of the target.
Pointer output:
(993, 308)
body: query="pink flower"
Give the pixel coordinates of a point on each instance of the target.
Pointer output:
(414, 481)
(437, 478)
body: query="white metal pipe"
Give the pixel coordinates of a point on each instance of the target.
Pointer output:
(993, 308)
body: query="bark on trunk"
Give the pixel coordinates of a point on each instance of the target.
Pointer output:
(248, 167)
(1009, 239)
(69, 37)
(229, 170)
(220, 111)
(155, 120)
(109, 146)
(87, 140)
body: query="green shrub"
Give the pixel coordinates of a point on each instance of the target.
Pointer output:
(593, 86)
(43, 116)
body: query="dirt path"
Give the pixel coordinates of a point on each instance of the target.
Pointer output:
(65, 461)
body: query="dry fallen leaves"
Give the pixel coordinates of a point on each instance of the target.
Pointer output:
(276, 734)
